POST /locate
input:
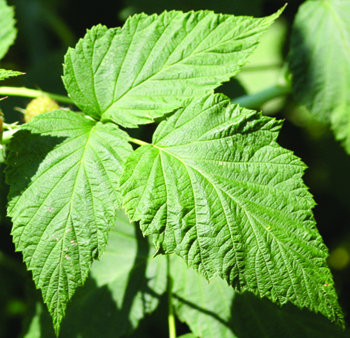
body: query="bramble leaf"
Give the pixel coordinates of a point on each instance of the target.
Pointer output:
(150, 66)
(216, 310)
(7, 28)
(319, 61)
(124, 286)
(340, 122)
(63, 169)
(4, 74)
(205, 308)
(216, 189)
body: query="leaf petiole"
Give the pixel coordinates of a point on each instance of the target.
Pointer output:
(137, 141)
(255, 101)
(171, 317)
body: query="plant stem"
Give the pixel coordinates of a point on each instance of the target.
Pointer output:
(255, 101)
(260, 68)
(26, 92)
(136, 141)
(171, 317)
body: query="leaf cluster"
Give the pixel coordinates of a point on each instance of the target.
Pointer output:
(214, 187)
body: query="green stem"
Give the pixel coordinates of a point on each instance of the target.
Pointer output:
(255, 101)
(260, 68)
(136, 141)
(171, 316)
(26, 92)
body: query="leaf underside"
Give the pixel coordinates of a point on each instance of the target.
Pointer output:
(150, 66)
(216, 189)
(7, 28)
(63, 170)
(319, 61)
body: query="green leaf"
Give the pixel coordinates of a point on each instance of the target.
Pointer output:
(150, 66)
(135, 279)
(340, 121)
(188, 335)
(63, 170)
(216, 310)
(4, 74)
(7, 28)
(319, 61)
(205, 308)
(216, 189)
(123, 287)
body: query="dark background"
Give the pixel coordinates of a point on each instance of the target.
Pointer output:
(45, 30)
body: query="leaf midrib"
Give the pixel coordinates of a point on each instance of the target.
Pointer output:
(69, 217)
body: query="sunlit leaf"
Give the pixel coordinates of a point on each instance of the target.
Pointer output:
(216, 189)
(319, 61)
(7, 28)
(151, 65)
(63, 170)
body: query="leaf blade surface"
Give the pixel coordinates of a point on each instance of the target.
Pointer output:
(319, 59)
(216, 189)
(7, 30)
(151, 65)
(124, 286)
(4, 74)
(63, 170)
(216, 310)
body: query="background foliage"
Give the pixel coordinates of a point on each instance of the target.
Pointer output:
(47, 28)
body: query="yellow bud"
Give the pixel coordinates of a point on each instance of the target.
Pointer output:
(38, 106)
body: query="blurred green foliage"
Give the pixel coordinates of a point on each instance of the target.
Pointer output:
(46, 28)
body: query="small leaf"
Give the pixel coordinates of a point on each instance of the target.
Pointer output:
(216, 189)
(63, 170)
(216, 310)
(319, 60)
(4, 74)
(150, 66)
(7, 28)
